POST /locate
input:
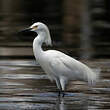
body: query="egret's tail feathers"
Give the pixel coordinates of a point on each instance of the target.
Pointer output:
(93, 76)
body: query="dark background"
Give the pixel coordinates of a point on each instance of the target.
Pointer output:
(80, 28)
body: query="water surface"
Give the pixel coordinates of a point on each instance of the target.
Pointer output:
(24, 86)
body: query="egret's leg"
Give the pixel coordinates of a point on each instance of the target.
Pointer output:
(58, 86)
(63, 82)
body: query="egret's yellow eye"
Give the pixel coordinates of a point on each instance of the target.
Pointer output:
(34, 27)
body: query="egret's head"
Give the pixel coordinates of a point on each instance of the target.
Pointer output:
(37, 27)
(40, 28)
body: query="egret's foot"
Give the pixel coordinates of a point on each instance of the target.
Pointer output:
(61, 93)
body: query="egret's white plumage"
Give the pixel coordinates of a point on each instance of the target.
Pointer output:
(58, 66)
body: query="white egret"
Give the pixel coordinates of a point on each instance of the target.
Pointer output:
(58, 66)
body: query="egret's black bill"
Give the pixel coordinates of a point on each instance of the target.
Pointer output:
(26, 29)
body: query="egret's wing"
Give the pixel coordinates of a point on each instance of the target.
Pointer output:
(72, 69)
(66, 66)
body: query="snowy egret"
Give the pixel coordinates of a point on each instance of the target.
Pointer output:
(58, 66)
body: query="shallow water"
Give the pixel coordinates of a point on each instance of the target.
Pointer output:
(24, 86)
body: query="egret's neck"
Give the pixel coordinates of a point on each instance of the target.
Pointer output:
(37, 46)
